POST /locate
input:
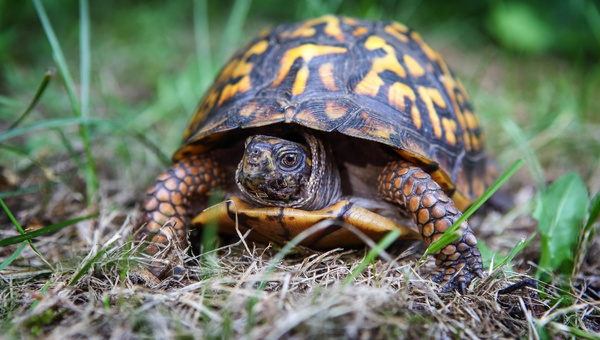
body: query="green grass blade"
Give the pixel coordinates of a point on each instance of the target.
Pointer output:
(66, 142)
(576, 332)
(12, 219)
(211, 228)
(594, 213)
(142, 139)
(64, 122)
(86, 267)
(84, 57)
(49, 124)
(13, 256)
(22, 191)
(233, 28)
(593, 19)
(43, 231)
(93, 260)
(291, 244)
(202, 40)
(514, 251)
(58, 55)
(44, 289)
(38, 94)
(521, 141)
(20, 229)
(90, 170)
(451, 234)
(385, 242)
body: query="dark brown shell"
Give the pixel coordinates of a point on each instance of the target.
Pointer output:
(375, 80)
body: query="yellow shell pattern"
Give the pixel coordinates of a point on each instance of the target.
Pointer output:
(375, 80)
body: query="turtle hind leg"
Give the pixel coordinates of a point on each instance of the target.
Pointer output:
(433, 212)
(169, 201)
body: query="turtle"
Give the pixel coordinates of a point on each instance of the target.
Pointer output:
(336, 121)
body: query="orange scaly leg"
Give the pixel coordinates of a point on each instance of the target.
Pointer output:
(169, 200)
(433, 212)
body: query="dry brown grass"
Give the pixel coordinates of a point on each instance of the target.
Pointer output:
(219, 294)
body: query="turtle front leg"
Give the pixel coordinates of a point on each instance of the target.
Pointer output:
(433, 212)
(169, 201)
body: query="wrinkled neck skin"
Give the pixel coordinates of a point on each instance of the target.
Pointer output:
(321, 189)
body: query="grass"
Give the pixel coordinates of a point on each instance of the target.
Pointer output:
(77, 156)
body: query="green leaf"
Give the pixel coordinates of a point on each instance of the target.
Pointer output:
(560, 212)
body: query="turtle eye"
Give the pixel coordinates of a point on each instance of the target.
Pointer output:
(289, 159)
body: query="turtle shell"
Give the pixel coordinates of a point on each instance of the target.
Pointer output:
(375, 80)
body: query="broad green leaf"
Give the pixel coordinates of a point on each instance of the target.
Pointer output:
(560, 212)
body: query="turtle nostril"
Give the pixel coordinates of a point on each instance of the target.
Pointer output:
(252, 156)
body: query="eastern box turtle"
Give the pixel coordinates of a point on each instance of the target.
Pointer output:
(334, 118)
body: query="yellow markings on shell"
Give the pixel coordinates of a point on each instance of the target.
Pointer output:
(350, 21)
(389, 61)
(398, 32)
(460, 99)
(371, 83)
(414, 68)
(457, 101)
(473, 143)
(360, 31)
(424, 93)
(248, 110)
(436, 96)
(240, 69)
(397, 94)
(375, 127)
(429, 52)
(264, 33)
(306, 52)
(472, 121)
(304, 115)
(399, 27)
(327, 76)
(332, 28)
(450, 130)
(231, 89)
(300, 81)
(335, 110)
(207, 103)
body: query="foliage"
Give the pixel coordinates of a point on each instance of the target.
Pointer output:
(560, 211)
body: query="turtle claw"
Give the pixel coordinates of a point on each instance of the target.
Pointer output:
(452, 280)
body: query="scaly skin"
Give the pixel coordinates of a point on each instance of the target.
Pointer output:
(168, 200)
(433, 212)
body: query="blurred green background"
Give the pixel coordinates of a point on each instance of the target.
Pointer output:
(532, 62)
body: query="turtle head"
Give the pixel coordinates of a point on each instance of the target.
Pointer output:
(274, 171)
